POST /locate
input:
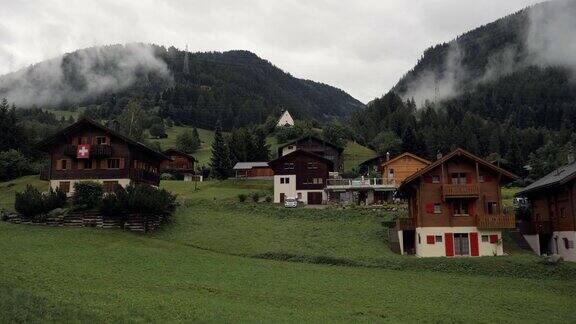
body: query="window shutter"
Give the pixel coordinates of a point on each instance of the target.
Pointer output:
(471, 209)
(121, 163)
(449, 244)
(104, 164)
(468, 177)
(80, 165)
(430, 239)
(430, 208)
(474, 250)
(493, 238)
(58, 164)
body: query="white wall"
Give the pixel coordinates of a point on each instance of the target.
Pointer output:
(566, 254)
(534, 242)
(288, 149)
(56, 183)
(286, 119)
(288, 189)
(438, 249)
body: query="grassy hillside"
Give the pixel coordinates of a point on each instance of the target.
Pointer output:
(354, 154)
(8, 189)
(206, 136)
(220, 260)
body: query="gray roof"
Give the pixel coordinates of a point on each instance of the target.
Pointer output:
(556, 177)
(250, 165)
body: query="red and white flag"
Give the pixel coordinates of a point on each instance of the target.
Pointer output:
(83, 151)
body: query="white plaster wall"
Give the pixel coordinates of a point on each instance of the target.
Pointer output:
(288, 149)
(401, 241)
(304, 193)
(56, 183)
(288, 189)
(534, 242)
(423, 249)
(566, 254)
(286, 119)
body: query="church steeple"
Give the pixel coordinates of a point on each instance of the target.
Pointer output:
(186, 65)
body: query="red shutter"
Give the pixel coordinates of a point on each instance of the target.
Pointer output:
(468, 177)
(430, 208)
(430, 239)
(493, 238)
(471, 208)
(449, 243)
(474, 244)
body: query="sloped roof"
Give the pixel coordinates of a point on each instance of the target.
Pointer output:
(405, 155)
(554, 178)
(340, 149)
(48, 142)
(171, 151)
(298, 152)
(250, 165)
(457, 152)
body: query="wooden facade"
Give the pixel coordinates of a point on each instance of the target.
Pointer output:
(317, 146)
(402, 166)
(258, 170)
(179, 162)
(111, 157)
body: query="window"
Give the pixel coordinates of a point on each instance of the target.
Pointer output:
(109, 186)
(288, 166)
(484, 238)
(435, 178)
(391, 174)
(312, 165)
(65, 165)
(491, 207)
(568, 244)
(299, 196)
(290, 147)
(460, 208)
(113, 163)
(438, 238)
(101, 140)
(419, 240)
(88, 164)
(281, 180)
(287, 180)
(481, 178)
(562, 212)
(437, 209)
(459, 178)
(64, 186)
(313, 181)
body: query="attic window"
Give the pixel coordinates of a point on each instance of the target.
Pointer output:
(288, 166)
(290, 147)
(101, 140)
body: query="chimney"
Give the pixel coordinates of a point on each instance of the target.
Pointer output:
(387, 156)
(438, 155)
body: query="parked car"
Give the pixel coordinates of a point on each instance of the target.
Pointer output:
(290, 202)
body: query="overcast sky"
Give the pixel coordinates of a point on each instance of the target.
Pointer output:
(362, 47)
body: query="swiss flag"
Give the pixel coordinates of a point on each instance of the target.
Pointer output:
(83, 151)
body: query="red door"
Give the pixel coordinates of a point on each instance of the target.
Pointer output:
(474, 244)
(449, 243)
(314, 198)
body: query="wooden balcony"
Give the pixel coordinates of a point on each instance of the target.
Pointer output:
(535, 227)
(145, 176)
(405, 224)
(460, 191)
(96, 151)
(501, 221)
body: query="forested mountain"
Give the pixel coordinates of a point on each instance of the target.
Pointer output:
(237, 87)
(506, 90)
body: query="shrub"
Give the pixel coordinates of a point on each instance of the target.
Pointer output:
(242, 197)
(166, 176)
(30, 202)
(268, 199)
(87, 194)
(54, 199)
(143, 199)
(255, 196)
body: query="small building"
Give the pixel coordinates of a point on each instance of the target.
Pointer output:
(253, 170)
(317, 146)
(180, 162)
(551, 226)
(87, 150)
(302, 175)
(454, 209)
(402, 167)
(285, 119)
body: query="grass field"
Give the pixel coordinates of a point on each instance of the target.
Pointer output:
(206, 136)
(221, 260)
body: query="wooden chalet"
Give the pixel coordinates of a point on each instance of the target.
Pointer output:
(179, 162)
(403, 166)
(253, 170)
(302, 175)
(87, 150)
(551, 225)
(317, 146)
(454, 209)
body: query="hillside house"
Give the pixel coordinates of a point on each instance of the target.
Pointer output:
(253, 170)
(179, 162)
(87, 150)
(454, 209)
(302, 175)
(551, 226)
(317, 146)
(285, 119)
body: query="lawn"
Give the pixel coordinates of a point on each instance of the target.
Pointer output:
(221, 260)
(8, 189)
(354, 154)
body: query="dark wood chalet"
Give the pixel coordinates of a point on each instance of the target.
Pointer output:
(179, 162)
(551, 224)
(87, 150)
(454, 208)
(302, 175)
(317, 146)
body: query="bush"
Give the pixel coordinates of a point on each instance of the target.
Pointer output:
(166, 176)
(54, 199)
(255, 196)
(138, 199)
(242, 197)
(268, 199)
(87, 194)
(30, 202)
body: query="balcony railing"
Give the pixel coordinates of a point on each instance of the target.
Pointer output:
(145, 176)
(460, 191)
(360, 183)
(97, 151)
(535, 227)
(405, 224)
(501, 221)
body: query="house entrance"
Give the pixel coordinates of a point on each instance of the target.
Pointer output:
(461, 244)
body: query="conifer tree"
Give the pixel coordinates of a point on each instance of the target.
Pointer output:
(220, 161)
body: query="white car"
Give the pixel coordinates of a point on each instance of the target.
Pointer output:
(290, 202)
